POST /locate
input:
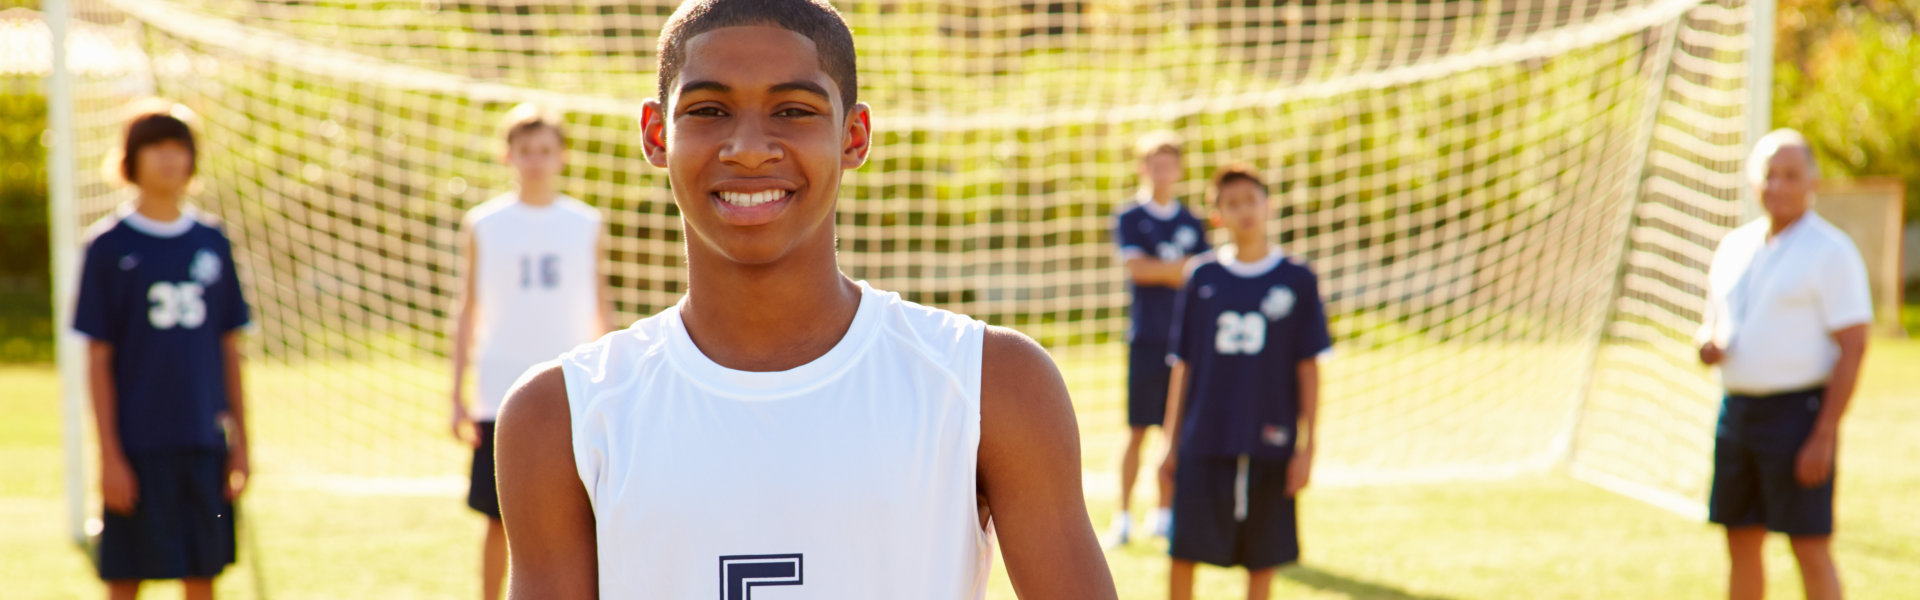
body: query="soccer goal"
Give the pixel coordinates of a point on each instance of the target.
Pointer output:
(1511, 203)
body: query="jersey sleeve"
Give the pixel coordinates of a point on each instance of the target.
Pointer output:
(238, 314)
(1132, 244)
(1845, 296)
(1315, 338)
(93, 314)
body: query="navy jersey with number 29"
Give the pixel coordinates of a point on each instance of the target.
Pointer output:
(1241, 328)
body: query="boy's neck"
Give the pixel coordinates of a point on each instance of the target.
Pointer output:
(1163, 197)
(162, 206)
(1250, 247)
(538, 194)
(771, 317)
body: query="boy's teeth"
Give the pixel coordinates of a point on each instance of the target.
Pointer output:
(753, 199)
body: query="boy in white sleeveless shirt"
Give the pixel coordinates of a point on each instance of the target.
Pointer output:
(785, 433)
(532, 287)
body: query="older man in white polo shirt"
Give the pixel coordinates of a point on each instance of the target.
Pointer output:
(1786, 324)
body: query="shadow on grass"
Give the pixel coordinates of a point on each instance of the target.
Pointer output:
(1353, 588)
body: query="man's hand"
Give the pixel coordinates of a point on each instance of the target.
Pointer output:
(118, 488)
(239, 470)
(1299, 470)
(1815, 462)
(1710, 354)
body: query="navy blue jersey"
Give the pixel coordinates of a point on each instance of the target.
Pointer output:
(1171, 234)
(164, 294)
(1243, 328)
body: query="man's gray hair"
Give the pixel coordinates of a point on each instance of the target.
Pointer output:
(1771, 144)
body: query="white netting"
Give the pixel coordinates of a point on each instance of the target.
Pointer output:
(1510, 203)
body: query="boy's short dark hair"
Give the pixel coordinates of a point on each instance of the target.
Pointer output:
(1157, 143)
(815, 19)
(1235, 173)
(149, 126)
(528, 118)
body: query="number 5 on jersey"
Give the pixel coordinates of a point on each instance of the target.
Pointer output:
(740, 574)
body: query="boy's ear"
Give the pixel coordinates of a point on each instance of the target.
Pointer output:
(653, 132)
(859, 137)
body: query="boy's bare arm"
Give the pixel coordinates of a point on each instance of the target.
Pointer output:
(1308, 374)
(465, 311)
(1176, 400)
(118, 489)
(1029, 473)
(550, 526)
(239, 465)
(1152, 271)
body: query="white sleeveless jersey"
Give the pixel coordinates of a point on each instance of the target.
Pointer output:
(538, 288)
(848, 478)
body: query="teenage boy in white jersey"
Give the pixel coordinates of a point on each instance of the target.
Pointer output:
(532, 287)
(784, 425)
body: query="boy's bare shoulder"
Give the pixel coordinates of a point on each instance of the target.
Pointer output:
(536, 406)
(1018, 377)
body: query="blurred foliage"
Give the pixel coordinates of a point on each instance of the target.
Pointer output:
(1847, 74)
(26, 332)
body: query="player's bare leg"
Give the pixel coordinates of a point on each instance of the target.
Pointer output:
(1260, 583)
(197, 588)
(123, 589)
(1180, 580)
(1129, 473)
(1746, 572)
(1817, 572)
(493, 561)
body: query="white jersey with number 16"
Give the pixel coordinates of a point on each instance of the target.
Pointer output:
(538, 288)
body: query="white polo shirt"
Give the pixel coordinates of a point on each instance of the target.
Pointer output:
(1774, 304)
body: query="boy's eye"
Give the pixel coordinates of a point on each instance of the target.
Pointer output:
(706, 111)
(794, 112)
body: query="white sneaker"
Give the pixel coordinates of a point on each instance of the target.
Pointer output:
(1119, 532)
(1159, 523)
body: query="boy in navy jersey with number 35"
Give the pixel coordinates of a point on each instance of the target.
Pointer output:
(161, 306)
(1248, 329)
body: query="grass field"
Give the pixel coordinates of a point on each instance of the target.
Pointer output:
(1540, 536)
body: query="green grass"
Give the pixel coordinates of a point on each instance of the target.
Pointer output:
(1541, 536)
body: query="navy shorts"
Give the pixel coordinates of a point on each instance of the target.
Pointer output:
(1755, 448)
(482, 495)
(1147, 378)
(181, 526)
(1233, 511)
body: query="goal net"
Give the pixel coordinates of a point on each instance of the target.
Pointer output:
(1511, 204)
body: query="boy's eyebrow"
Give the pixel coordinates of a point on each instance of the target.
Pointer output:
(801, 85)
(798, 85)
(705, 85)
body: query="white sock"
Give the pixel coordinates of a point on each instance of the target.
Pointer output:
(1161, 520)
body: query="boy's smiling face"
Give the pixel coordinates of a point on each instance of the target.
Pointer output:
(754, 141)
